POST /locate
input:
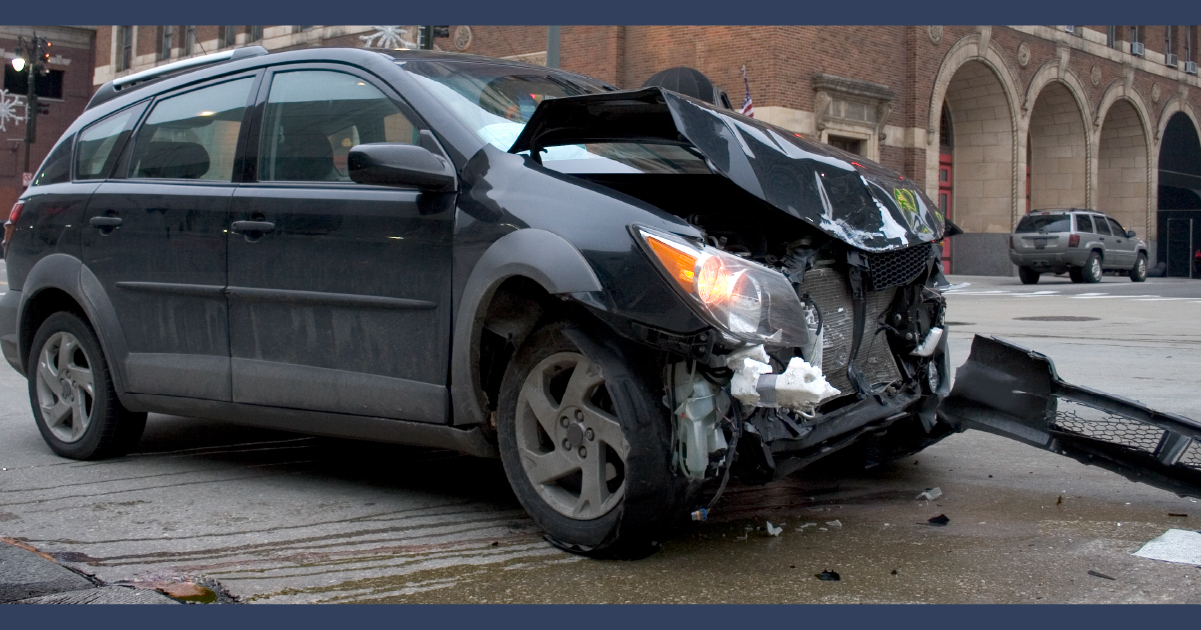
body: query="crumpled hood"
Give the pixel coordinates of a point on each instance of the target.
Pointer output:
(850, 198)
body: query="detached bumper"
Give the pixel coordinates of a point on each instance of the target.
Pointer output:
(10, 303)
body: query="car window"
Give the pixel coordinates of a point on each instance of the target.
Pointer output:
(314, 117)
(1102, 226)
(193, 135)
(95, 150)
(1044, 223)
(1117, 228)
(57, 166)
(1084, 223)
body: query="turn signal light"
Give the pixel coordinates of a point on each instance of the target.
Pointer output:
(1074, 240)
(680, 265)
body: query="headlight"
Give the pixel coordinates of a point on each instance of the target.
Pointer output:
(745, 299)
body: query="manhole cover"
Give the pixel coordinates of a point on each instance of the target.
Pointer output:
(1058, 318)
(961, 323)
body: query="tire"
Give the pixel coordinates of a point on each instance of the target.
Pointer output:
(1138, 273)
(71, 390)
(586, 444)
(1028, 275)
(1076, 274)
(1091, 273)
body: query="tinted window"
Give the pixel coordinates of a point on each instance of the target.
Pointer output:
(1084, 223)
(193, 135)
(99, 143)
(1118, 230)
(313, 119)
(1045, 223)
(57, 167)
(1102, 226)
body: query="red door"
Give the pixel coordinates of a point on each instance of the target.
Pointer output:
(944, 203)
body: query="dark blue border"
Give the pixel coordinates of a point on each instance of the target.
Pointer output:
(609, 12)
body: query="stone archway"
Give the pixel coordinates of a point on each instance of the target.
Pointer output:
(1122, 167)
(1058, 150)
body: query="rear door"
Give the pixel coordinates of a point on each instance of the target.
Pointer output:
(1124, 246)
(339, 292)
(154, 237)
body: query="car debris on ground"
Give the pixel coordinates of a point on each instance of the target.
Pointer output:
(1175, 545)
(930, 494)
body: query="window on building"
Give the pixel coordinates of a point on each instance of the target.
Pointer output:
(1169, 40)
(189, 39)
(1136, 34)
(124, 47)
(193, 135)
(256, 32)
(307, 134)
(945, 133)
(1111, 36)
(1188, 43)
(48, 86)
(166, 41)
(228, 36)
(850, 145)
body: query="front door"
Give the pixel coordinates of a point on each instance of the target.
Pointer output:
(154, 236)
(944, 204)
(339, 296)
(1121, 253)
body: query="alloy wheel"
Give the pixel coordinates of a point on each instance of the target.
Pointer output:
(572, 447)
(65, 387)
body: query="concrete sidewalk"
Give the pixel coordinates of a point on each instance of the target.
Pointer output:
(29, 577)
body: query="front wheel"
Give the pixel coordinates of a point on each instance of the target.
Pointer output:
(1138, 273)
(586, 444)
(1028, 275)
(74, 403)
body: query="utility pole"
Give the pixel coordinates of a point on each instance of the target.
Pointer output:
(32, 56)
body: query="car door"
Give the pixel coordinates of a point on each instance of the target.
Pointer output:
(154, 237)
(339, 296)
(1124, 246)
(1105, 239)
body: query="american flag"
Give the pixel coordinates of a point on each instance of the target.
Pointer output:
(747, 109)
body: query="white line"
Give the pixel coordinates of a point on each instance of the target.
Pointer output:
(1159, 299)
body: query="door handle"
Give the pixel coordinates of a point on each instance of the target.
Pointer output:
(261, 227)
(104, 222)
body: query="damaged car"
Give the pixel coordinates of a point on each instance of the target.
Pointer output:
(629, 297)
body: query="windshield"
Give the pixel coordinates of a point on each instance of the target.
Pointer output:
(1045, 223)
(497, 100)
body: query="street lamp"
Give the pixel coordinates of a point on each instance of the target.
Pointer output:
(32, 55)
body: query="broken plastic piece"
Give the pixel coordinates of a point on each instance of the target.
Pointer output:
(801, 387)
(744, 384)
(1100, 575)
(930, 494)
(700, 515)
(927, 346)
(834, 523)
(828, 576)
(773, 530)
(1175, 545)
(939, 521)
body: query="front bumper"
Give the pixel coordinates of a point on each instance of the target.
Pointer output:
(10, 304)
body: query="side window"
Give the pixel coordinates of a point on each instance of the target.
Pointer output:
(313, 119)
(97, 145)
(1084, 223)
(193, 135)
(1117, 228)
(1102, 226)
(57, 167)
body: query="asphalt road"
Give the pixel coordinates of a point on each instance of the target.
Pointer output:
(280, 518)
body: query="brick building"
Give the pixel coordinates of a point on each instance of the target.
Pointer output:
(62, 95)
(992, 120)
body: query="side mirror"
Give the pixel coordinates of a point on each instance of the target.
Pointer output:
(403, 165)
(1130, 233)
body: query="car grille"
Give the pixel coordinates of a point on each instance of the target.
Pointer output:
(894, 269)
(1075, 417)
(831, 292)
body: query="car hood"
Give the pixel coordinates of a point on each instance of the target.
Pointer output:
(850, 198)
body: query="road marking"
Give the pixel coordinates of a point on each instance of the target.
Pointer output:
(1160, 299)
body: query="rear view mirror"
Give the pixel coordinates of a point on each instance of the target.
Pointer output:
(404, 165)
(1130, 233)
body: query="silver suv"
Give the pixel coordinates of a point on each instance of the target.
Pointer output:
(1083, 243)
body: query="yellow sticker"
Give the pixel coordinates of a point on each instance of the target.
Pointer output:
(905, 199)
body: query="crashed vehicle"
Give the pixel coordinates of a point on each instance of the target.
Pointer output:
(627, 296)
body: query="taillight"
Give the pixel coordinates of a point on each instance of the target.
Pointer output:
(1074, 240)
(1010, 241)
(13, 216)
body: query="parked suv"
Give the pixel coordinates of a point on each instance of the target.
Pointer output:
(1083, 243)
(627, 296)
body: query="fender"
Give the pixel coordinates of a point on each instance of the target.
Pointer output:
(542, 256)
(69, 275)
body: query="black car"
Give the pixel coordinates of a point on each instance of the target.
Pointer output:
(626, 295)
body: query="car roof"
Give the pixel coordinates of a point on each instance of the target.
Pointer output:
(1065, 211)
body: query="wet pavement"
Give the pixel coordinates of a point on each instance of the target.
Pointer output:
(281, 518)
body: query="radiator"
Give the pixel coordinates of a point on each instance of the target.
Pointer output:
(831, 291)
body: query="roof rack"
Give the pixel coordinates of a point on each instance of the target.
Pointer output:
(110, 90)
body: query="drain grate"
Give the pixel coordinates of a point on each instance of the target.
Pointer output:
(1058, 318)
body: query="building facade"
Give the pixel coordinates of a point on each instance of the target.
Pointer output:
(992, 120)
(62, 95)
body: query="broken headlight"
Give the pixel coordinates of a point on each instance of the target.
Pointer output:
(742, 298)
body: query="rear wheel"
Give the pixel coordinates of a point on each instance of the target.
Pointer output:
(1076, 274)
(1091, 273)
(74, 403)
(586, 445)
(1028, 275)
(1138, 273)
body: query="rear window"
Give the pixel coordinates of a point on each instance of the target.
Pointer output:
(1045, 223)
